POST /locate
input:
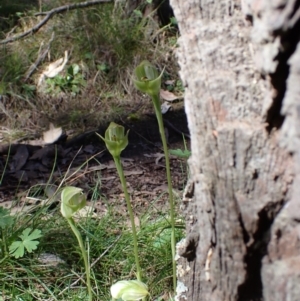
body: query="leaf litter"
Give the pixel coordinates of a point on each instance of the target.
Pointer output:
(42, 166)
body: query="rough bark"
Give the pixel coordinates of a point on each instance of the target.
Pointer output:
(240, 62)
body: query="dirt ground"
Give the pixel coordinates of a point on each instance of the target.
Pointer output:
(33, 172)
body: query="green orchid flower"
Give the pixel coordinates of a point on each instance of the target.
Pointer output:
(72, 200)
(115, 139)
(129, 290)
(147, 79)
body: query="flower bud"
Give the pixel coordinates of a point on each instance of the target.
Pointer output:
(72, 200)
(115, 139)
(147, 79)
(129, 290)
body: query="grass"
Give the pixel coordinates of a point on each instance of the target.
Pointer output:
(108, 240)
(104, 44)
(107, 47)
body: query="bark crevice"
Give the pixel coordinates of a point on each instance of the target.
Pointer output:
(289, 40)
(252, 288)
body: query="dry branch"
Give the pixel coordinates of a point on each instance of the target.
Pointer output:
(41, 57)
(49, 15)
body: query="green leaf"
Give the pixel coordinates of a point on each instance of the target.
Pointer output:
(163, 238)
(28, 242)
(70, 71)
(88, 55)
(138, 13)
(75, 89)
(6, 219)
(103, 67)
(17, 249)
(173, 21)
(76, 68)
(180, 153)
(25, 236)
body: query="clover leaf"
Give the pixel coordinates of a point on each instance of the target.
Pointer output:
(28, 241)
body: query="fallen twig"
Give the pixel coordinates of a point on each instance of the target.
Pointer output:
(48, 15)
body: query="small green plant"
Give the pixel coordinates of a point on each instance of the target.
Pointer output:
(184, 154)
(174, 21)
(116, 141)
(28, 90)
(16, 247)
(179, 86)
(103, 67)
(72, 82)
(6, 220)
(72, 200)
(28, 241)
(148, 81)
(175, 86)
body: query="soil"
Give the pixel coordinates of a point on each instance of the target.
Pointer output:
(32, 173)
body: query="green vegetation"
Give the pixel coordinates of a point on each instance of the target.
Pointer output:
(116, 141)
(56, 269)
(72, 200)
(148, 80)
(41, 258)
(10, 243)
(104, 46)
(72, 82)
(28, 241)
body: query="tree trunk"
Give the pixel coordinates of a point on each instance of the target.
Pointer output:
(240, 63)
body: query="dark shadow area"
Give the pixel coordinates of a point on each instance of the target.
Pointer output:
(289, 42)
(9, 11)
(27, 164)
(252, 288)
(164, 11)
(143, 134)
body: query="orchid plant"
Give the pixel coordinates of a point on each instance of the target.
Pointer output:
(116, 141)
(72, 200)
(148, 80)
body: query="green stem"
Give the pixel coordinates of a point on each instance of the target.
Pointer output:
(127, 198)
(3, 247)
(84, 255)
(156, 102)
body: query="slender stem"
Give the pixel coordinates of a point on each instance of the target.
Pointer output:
(127, 198)
(6, 163)
(4, 250)
(3, 259)
(156, 102)
(4, 245)
(84, 255)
